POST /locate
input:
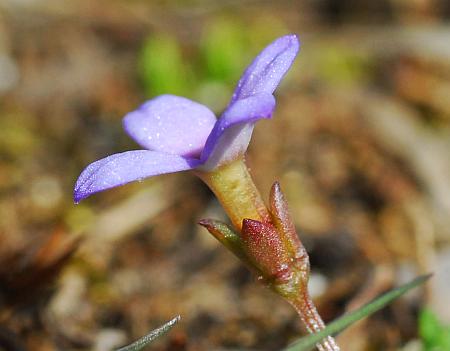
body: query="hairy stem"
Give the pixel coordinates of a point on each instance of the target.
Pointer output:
(313, 322)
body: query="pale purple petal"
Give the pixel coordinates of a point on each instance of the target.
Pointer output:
(268, 68)
(119, 169)
(171, 124)
(231, 134)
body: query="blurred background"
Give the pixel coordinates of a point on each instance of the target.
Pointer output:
(360, 143)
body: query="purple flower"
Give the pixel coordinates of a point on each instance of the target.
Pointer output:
(179, 134)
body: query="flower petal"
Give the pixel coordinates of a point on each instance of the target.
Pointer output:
(119, 169)
(231, 134)
(171, 124)
(268, 68)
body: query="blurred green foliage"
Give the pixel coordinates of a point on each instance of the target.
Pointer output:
(435, 336)
(341, 65)
(210, 73)
(217, 63)
(16, 136)
(224, 50)
(162, 67)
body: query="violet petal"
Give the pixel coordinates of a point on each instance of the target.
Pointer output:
(231, 134)
(268, 68)
(171, 124)
(119, 169)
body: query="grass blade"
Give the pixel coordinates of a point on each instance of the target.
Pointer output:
(308, 342)
(147, 339)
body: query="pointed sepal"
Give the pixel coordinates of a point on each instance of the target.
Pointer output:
(283, 222)
(226, 235)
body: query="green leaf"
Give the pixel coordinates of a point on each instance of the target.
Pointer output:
(308, 342)
(141, 343)
(435, 335)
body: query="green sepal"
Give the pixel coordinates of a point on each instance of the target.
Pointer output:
(226, 235)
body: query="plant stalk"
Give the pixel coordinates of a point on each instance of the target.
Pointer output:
(312, 320)
(236, 191)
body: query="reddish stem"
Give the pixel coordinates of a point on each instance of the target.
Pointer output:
(313, 322)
